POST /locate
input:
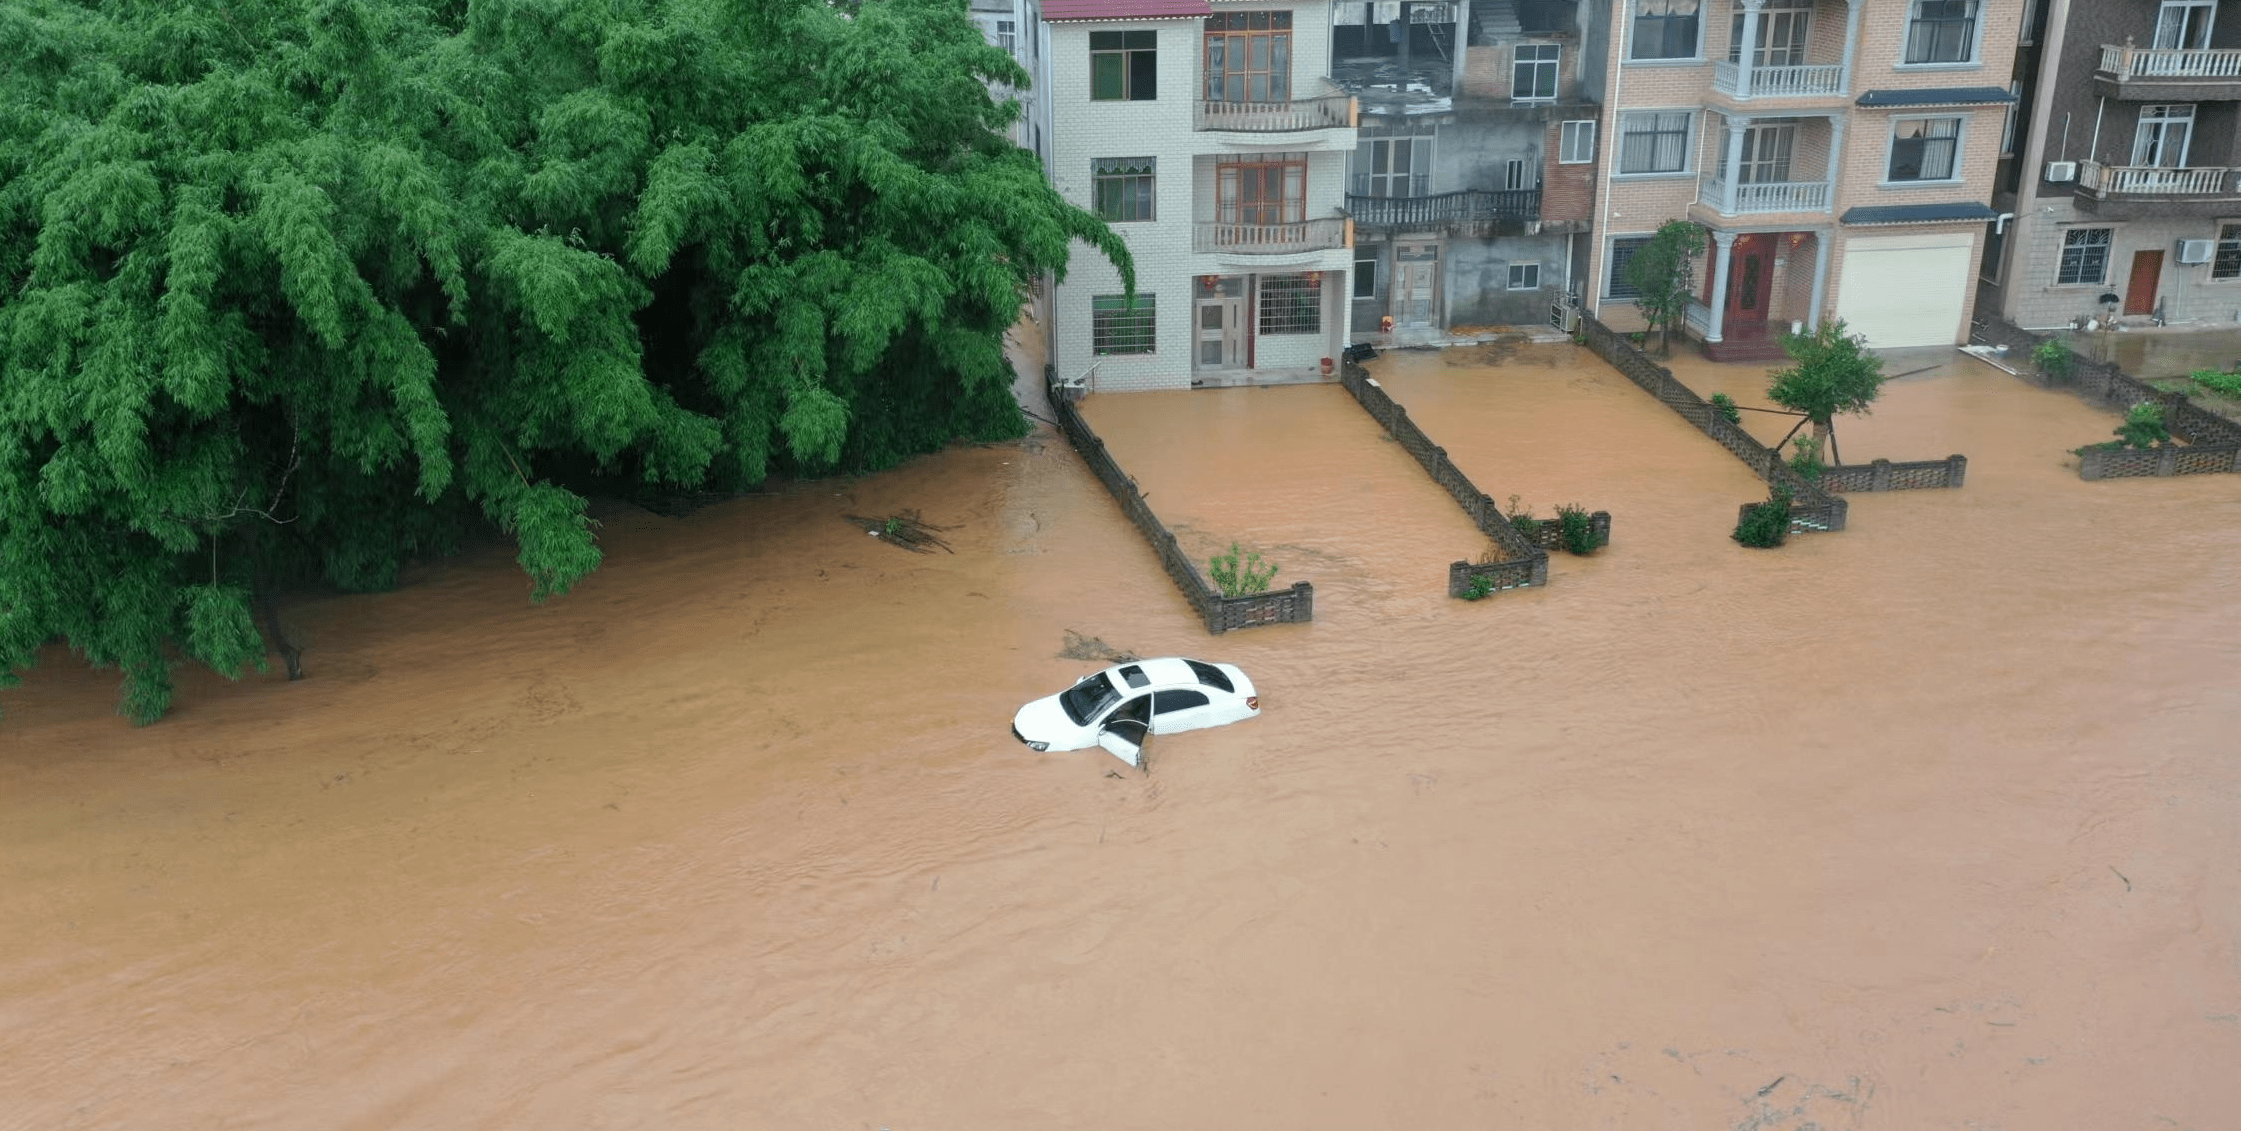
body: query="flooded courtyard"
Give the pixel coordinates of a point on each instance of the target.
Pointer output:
(1929, 823)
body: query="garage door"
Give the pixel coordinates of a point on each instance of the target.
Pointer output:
(1905, 290)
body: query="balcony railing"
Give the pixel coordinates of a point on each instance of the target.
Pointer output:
(2149, 180)
(1332, 112)
(1805, 81)
(1445, 210)
(1270, 239)
(2126, 62)
(1772, 196)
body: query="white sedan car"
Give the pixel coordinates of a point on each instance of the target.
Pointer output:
(1119, 707)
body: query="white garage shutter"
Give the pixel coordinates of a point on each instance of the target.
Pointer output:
(1905, 290)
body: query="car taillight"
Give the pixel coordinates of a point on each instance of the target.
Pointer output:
(1253, 702)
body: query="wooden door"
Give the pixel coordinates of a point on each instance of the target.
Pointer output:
(1749, 277)
(2139, 294)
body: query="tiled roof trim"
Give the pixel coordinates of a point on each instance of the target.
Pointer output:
(1937, 96)
(1917, 214)
(1062, 10)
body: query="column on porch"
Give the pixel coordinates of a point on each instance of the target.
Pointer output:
(1731, 164)
(1836, 158)
(1744, 52)
(1715, 322)
(1821, 241)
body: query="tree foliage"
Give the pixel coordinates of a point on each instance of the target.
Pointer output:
(1831, 372)
(1663, 275)
(296, 289)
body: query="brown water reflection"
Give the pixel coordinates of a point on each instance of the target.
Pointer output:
(1926, 824)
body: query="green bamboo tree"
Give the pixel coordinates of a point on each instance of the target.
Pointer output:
(302, 289)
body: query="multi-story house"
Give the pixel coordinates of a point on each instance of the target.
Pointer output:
(2124, 192)
(1473, 180)
(1016, 26)
(1210, 136)
(1841, 155)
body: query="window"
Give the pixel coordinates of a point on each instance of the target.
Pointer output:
(1210, 675)
(1654, 142)
(1365, 278)
(1268, 189)
(2007, 127)
(1085, 700)
(2184, 24)
(1578, 142)
(1397, 166)
(1533, 72)
(1167, 702)
(1116, 327)
(1004, 35)
(1291, 304)
(2085, 256)
(2227, 264)
(1665, 29)
(2160, 141)
(1783, 28)
(1766, 154)
(1123, 66)
(1122, 188)
(1525, 276)
(1923, 149)
(1520, 174)
(1622, 252)
(1942, 31)
(1249, 57)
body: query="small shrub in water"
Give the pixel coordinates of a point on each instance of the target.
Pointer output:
(2053, 360)
(2143, 426)
(1579, 529)
(1807, 462)
(1727, 409)
(1766, 524)
(1237, 577)
(1481, 587)
(1521, 517)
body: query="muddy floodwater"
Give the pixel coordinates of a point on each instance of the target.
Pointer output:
(1932, 823)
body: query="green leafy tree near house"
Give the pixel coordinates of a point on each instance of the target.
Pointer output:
(1663, 275)
(302, 289)
(1831, 373)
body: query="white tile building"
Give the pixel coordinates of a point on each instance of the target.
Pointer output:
(1209, 135)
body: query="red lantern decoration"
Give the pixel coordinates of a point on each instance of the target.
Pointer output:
(1208, 281)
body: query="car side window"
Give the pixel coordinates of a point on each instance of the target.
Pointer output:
(1164, 702)
(1138, 709)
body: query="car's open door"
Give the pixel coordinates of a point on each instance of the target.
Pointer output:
(1127, 729)
(1126, 739)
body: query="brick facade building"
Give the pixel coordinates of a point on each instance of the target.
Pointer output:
(2125, 184)
(1840, 155)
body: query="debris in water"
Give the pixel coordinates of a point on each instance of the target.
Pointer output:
(905, 529)
(1079, 647)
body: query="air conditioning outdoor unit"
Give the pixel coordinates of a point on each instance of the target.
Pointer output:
(1564, 316)
(2196, 251)
(2061, 172)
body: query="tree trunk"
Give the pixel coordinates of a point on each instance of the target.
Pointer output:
(290, 655)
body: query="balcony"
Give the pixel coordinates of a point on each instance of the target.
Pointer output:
(2154, 181)
(1269, 239)
(1470, 211)
(1813, 80)
(1331, 112)
(1770, 196)
(2178, 74)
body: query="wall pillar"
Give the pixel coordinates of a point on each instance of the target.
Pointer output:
(1821, 241)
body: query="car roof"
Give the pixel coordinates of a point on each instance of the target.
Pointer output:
(1165, 671)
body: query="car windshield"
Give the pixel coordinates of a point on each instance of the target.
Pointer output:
(1086, 699)
(1210, 675)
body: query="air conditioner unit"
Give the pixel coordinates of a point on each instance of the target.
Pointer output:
(2061, 172)
(2196, 251)
(1564, 316)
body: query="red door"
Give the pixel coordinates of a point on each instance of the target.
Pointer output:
(1749, 275)
(2139, 294)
